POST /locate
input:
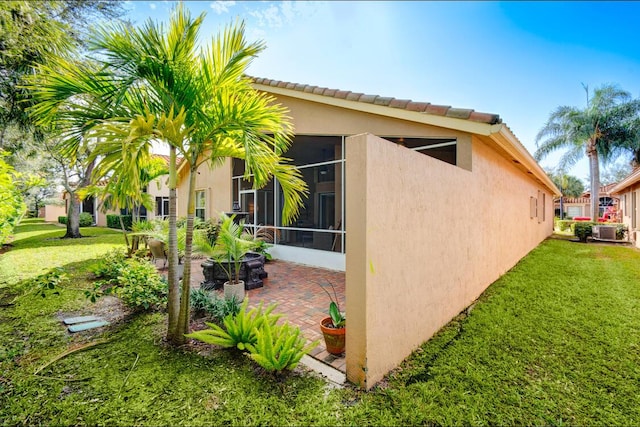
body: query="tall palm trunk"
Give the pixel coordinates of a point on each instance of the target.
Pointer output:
(594, 169)
(173, 304)
(183, 320)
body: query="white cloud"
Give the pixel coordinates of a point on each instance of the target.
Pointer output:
(222, 6)
(152, 6)
(277, 14)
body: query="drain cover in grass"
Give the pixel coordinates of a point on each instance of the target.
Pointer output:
(81, 319)
(87, 325)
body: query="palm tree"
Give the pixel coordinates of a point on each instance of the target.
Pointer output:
(125, 186)
(601, 130)
(198, 101)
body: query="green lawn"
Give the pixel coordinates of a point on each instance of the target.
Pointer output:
(554, 341)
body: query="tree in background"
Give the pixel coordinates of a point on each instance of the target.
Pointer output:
(570, 185)
(31, 33)
(11, 205)
(616, 172)
(602, 131)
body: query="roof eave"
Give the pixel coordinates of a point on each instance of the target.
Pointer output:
(507, 140)
(462, 125)
(631, 179)
(510, 143)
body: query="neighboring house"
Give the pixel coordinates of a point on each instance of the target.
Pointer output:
(580, 206)
(423, 206)
(629, 192)
(51, 212)
(157, 188)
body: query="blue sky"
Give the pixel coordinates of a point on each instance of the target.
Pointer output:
(517, 59)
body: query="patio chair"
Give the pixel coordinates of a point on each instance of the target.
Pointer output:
(158, 251)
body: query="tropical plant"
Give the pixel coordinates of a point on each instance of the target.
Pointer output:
(205, 302)
(338, 318)
(279, 347)
(601, 130)
(120, 191)
(239, 330)
(201, 302)
(157, 84)
(230, 247)
(256, 235)
(569, 185)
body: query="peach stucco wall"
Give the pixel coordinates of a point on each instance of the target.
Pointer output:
(424, 240)
(626, 206)
(216, 184)
(52, 212)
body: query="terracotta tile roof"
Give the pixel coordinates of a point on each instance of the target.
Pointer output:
(566, 200)
(605, 190)
(166, 158)
(406, 104)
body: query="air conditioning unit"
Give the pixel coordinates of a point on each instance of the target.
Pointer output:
(607, 232)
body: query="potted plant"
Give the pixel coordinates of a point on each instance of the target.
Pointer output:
(334, 327)
(228, 251)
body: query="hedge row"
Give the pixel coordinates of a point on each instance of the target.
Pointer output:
(113, 221)
(86, 220)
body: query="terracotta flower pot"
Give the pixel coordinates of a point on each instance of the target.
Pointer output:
(334, 338)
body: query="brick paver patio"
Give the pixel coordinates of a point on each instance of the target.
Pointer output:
(296, 289)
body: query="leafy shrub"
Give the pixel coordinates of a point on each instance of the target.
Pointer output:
(140, 285)
(582, 230)
(86, 220)
(621, 231)
(113, 221)
(12, 206)
(279, 347)
(200, 301)
(210, 227)
(135, 281)
(62, 219)
(51, 281)
(204, 302)
(238, 330)
(110, 266)
(223, 307)
(564, 225)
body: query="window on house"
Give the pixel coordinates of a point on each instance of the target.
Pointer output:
(544, 202)
(319, 224)
(201, 204)
(533, 207)
(162, 207)
(444, 149)
(574, 211)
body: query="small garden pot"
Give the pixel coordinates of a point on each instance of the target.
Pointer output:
(234, 289)
(334, 338)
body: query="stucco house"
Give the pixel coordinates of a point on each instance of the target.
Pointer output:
(423, 206)
(581, 206)
(628, 190)
(157, 188)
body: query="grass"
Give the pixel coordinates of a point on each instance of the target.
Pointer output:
(554, 341)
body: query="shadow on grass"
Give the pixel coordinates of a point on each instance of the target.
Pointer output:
(55, 238)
